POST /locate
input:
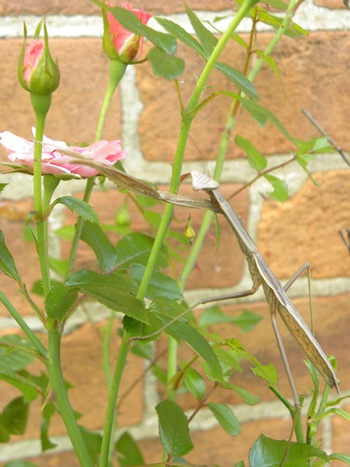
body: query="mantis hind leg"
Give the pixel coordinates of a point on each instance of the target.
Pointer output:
(295, 412)
(291, 282)
(284, 356)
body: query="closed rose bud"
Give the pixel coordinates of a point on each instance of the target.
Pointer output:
(118, 42)
(37, 72)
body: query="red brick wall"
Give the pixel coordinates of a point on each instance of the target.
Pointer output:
(315, 74)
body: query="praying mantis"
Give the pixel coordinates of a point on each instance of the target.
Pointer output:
(260, 272)
(275, 293)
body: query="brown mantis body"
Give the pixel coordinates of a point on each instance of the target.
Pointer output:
(274, 292)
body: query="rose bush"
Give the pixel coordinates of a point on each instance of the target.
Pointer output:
(21, 151)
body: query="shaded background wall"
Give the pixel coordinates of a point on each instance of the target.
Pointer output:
(315, 74)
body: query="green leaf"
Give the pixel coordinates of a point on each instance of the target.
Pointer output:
(66, 232)
(321, 145)
(280, 188)
(316, 381)
(247, 320)
(246, 396)
(206, 38)
(15, 416)
(266, 372)
(136, 248)
(226, 418)
(12, 356)
(16, 354)
(255, 158)
(98, 241)
(4, 433)
(194, 383)
(197, 342)
(114, 291)
(340, 457)
(267, 452)
(160, 285)
(263, 116)
(59, 266)
(128, 452)
(47, 412)
(181, 34)
(279, 4)
(165, 310)
(271, 63)
(3, 186)
(59, 301)
(293, 30)
(229, 360)
(93, 442)
(21, 383)
(7, 264)
(173, 429)
(164, 65)
(238, 79)
(130, 22)
(334, 411)
(79, 206)
(237, 38)
(214, 315)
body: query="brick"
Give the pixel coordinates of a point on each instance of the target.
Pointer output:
(305, 228)
(304, 65)
(219, 268)
(79, 7)
(76, 104)
(331, 4)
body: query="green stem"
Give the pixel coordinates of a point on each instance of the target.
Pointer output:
(209, 215)
(23, 325)
(112, 399)
(295, 413)
(78, 229)
(275, 40)
(58, 386)
(41, 105)
(221, 44)
(107, 333)
(116, 72)
(315, 424)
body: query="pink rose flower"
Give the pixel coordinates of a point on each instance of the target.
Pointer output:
(54, 161)
(32, 55)
(128, 46)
